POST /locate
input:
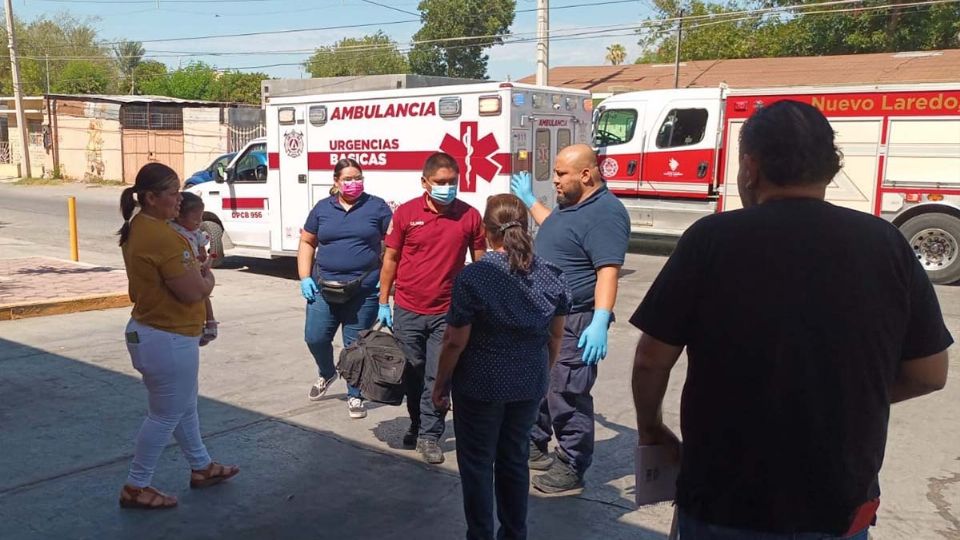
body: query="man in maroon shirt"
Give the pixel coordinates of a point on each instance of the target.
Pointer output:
(426, 246)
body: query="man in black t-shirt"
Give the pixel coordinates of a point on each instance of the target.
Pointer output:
(803, 322)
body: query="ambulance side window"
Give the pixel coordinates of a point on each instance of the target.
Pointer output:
(252, 166)
(563, 139)
(615, 126)
(682, 127)
(541, 160)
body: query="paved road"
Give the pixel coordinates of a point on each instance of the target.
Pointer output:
(38, 214)
(70, 402)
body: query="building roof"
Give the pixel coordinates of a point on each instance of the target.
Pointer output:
(881, 68)
(127, 99)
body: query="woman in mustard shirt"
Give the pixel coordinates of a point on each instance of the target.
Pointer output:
(168, 287)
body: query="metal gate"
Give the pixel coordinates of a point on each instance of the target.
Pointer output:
(151, 133)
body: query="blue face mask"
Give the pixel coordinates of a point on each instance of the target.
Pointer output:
(443, 194)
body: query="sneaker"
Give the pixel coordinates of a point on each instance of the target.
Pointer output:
(355, 405)
(410, 437)
(539, 460)
(560, 478)
(430, 451)
(320, 387)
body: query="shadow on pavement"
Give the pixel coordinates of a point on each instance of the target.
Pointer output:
(67, 427)
(282, 267)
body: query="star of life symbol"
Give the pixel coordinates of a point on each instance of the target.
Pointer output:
(474, 155)
(293, 143)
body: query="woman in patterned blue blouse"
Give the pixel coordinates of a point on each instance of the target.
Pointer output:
(503, 335)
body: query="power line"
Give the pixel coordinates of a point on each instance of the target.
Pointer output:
(156, 1)
(596, 32)
(391, 7)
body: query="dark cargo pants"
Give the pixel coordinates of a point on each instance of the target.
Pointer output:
(567, 409)
(421, 337)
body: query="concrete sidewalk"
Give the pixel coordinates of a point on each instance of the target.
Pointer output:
(38, 286)
(70, 407)
(71, 403)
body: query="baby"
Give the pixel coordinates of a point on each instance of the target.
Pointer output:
(187, 224)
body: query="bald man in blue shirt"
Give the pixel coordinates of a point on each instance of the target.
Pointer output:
(586, 236)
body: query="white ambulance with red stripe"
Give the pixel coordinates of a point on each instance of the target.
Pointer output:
(672, 157)
(492, 129)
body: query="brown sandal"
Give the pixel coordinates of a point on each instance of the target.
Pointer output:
(212, 475)
(146, 498)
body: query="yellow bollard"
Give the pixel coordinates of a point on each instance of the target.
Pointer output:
(72, 211)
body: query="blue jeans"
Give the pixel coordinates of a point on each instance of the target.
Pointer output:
(691, 528)
(324, 319)
(493, 445)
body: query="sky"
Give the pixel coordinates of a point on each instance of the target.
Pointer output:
(581, 33)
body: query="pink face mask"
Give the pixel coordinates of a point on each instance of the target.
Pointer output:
(351, 189)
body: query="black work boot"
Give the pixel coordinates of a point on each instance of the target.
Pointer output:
(560, 479)
(410, 437)
(430, 451)
(540, 460)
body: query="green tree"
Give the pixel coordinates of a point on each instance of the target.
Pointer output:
(712, 30)
(374, 54)
(150, 77)
(237, 87)
(195, 81)
(616, 54)
(82, 77)
(46, 46)
(129, 54)
(482, 24)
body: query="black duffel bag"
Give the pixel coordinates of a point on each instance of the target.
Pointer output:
(374, 363)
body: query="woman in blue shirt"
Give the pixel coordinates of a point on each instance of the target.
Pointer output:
(340, 242)
(503, 335)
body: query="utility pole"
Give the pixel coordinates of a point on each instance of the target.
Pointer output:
(676, 62)
(543, 42)
(17, 97)
(46, 58)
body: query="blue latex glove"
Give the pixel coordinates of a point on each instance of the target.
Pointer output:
(521, 184)
(593, 341)
(308, 288)
(385, 316)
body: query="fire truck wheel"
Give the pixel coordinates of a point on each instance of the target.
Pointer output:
(935, 239)
(215, 231)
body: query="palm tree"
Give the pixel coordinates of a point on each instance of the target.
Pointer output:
(616, 54)
(129, 55)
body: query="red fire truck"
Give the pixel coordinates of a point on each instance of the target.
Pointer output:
(672, 157)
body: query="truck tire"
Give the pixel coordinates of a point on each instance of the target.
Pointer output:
(935, 239)
(215, 231)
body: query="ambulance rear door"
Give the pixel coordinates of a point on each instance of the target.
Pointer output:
(295, 195)
(552, 128)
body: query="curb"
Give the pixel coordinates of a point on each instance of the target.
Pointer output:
(10, 312)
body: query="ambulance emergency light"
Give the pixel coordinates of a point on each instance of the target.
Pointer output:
(449, 107)
(490, 105)
(318, 115)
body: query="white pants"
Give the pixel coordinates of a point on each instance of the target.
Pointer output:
(169, 364)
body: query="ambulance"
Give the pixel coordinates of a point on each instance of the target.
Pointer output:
(256, 208)
(671, 156)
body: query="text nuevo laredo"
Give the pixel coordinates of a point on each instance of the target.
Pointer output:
(941, 102)
(380, 110)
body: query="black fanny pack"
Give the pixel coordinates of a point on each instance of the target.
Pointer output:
(340, 292)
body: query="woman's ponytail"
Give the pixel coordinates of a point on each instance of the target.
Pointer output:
(519, 247)
(127, 205)
(506, 221)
